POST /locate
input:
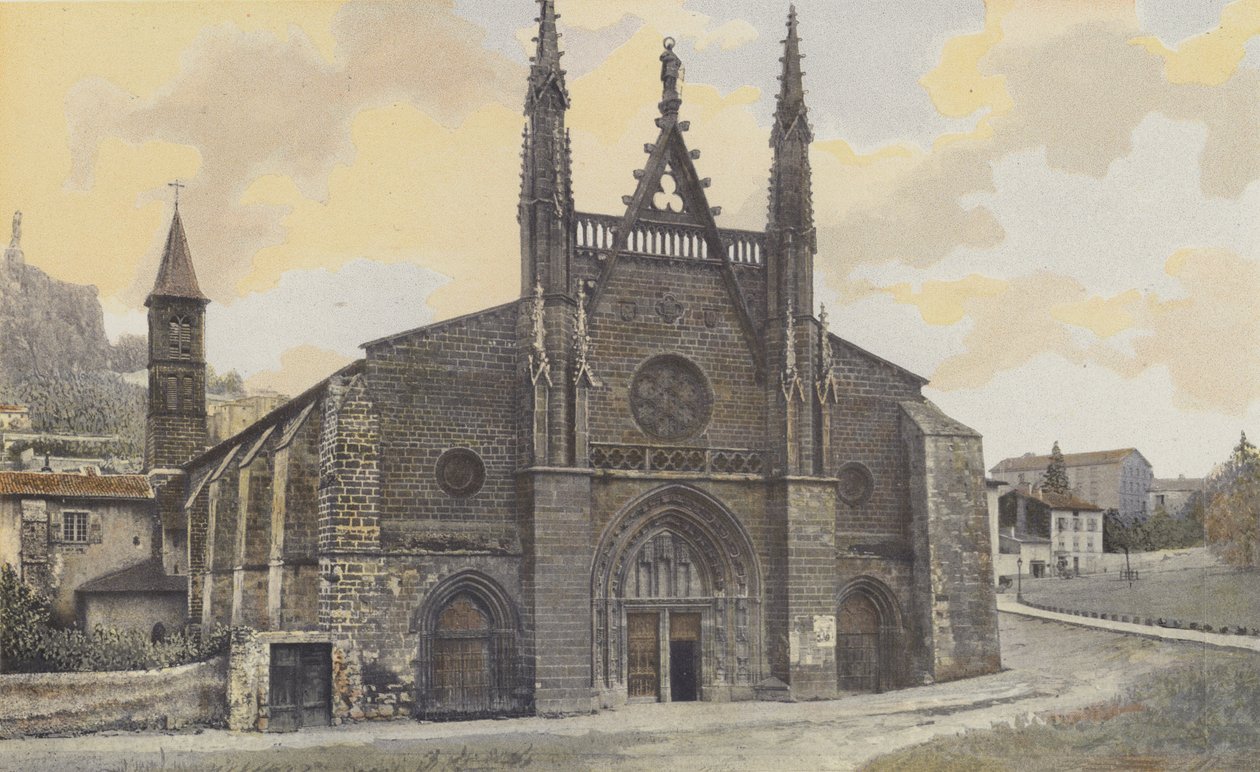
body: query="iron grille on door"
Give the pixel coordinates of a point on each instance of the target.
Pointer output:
(858, 645)
(471, 665)
(644, 649)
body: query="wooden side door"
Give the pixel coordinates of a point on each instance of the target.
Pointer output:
(644, 654)
(300, 686)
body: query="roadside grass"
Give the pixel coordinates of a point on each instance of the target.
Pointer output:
(1189, 717)
(1215, 595)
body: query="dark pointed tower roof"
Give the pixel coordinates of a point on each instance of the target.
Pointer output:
(176, 277)
(791, 196)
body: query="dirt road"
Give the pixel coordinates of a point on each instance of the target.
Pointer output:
(1051, 667)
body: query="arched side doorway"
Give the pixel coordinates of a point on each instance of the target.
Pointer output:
(870, 646)
(676, 591)
(467, 664)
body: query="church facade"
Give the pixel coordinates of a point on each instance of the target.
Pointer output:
(656, 476)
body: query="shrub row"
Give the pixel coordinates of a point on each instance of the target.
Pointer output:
(47, 650)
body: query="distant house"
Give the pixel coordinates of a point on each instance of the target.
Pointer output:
(14, 417)
(1174, 495)
(1112, 479)
(78, 536)
(1049, 531)
(228, 417)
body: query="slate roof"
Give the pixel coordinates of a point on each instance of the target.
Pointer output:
(1038, 463)
(1161, 484)
(176, 277)
(148, 576)
(83, 486)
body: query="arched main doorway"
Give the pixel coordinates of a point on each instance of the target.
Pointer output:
(677, 601)
(869, 641)
(467, 664)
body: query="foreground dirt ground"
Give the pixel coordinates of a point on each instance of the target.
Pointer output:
(1051, 668)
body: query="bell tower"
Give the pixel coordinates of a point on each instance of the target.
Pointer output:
(175, 428)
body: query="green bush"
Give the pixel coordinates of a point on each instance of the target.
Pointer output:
(28, 644)
(24, 615)
(103, 648)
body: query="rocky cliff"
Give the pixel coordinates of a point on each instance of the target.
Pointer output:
(48, 327)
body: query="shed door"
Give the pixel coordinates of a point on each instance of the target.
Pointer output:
(300, 688)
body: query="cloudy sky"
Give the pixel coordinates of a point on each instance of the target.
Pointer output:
(1049, 207)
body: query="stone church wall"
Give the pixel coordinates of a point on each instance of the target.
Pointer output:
(448, 386)
(632, 323)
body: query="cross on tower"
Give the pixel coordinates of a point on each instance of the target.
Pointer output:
(177, 185)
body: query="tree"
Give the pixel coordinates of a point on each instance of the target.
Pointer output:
(129, 354)
(1233, 506)
(1055, 479)
(230, 384)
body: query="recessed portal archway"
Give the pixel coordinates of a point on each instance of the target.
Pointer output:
(676, 600)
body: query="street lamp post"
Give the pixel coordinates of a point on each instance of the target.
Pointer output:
(1019, 579)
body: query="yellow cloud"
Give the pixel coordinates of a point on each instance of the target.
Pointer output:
(945, 302)
(1104, 317)
(300, 368)
(465, 180)
(958, 86)
(1212, 58)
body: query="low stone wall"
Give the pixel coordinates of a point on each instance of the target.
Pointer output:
(1137, 619)
(70, 703)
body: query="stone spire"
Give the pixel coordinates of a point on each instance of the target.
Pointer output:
(176, 277)
(791, 217)
(546, 208)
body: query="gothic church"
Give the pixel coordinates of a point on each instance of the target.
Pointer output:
(656, 476)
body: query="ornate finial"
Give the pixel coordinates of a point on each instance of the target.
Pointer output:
(539, 364)
(15, 241)
(671, 71)
(582, 343)
(177, 185)
(791, 378)
(826, 375)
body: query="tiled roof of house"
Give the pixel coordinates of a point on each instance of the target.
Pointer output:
(142, 577)
(86, 486)
(1039, 463)
(1054, 500)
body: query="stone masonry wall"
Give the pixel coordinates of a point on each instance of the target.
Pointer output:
(448, 386)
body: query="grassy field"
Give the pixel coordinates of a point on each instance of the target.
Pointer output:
(1187, 589)
(1205, 717)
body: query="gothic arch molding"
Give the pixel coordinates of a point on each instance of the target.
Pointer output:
(467, 662)
(678, 531)
(870, 637)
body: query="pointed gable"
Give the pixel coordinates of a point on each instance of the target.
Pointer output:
(671, 192)
(176, 277)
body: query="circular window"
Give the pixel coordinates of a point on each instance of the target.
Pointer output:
(461, 472)
(856, 484)
(670, 398)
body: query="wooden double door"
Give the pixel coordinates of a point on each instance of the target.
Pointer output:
(300, 691)
(659, 643)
